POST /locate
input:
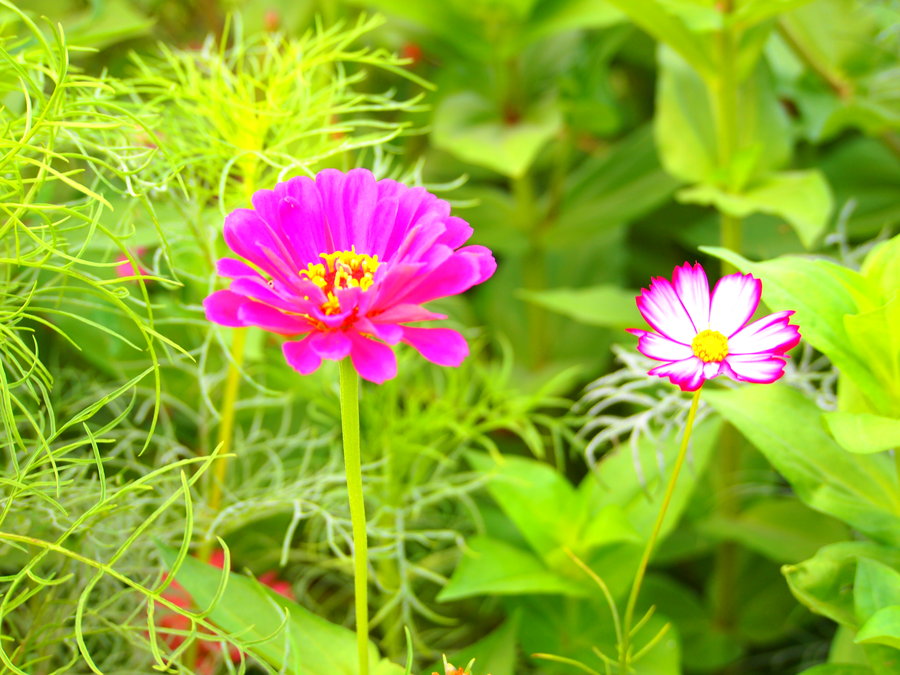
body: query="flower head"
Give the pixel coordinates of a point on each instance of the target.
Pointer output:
(348, 261)
(699, 337)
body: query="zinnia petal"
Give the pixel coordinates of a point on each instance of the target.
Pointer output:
(331, 345)
(222, 307)
(301, 357)
(374, 361)
(442, 346)
(734, 300)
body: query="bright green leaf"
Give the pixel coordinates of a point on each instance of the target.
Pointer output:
(787, 428)
(472, 128)
(802, 198)
(877, 586)
(610, 306)
(882, 629)
(863, 433)
(493, 567)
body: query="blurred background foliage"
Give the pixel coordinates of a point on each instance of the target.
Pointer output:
(592, 144)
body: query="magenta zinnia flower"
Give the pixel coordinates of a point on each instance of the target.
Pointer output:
(347, 261)
(700, 337)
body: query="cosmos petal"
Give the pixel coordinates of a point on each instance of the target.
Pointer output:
(663, 310)
(759, 368)
(686, 373)
(222, 307)
(661, 348)
(734, 300)
(692, 287)
(771, 333)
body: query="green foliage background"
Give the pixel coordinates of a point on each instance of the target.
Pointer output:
(592, 144)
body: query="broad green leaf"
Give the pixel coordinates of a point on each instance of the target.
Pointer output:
(802, 198)
(753, 11)
(782, 529)
(670, 29)
(877, 586)
(557, 16)
(533, 495)
(494, 654)
(598, 306)
(821, 293)
(685, 126)
(705, 648)
(838, 669)
(608, 526)
(876, 333)
(472, 128)
(882, 267)
(493, 567)
(787, 428)
(616, 186)
(883, 628)
(255, 612)
(822, 582)
(863, 433)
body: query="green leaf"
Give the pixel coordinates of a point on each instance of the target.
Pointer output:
(876, 334)
(493, 567)
(686, 128)
(535, 497)
(882, 267)
(821, 293)
(598, 306)
(670, 29)
(822, 583)
(616, 186)
(863, 433)
(782, 529)
(753, 11)
(802, 198)
(838, 669)
(471, 128)
(882, 629)
(557, 16)
(787, 428)
(877, 586)
(255, 612)
(495, 653)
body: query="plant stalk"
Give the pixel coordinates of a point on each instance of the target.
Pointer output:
(624, 646)
(353, 469)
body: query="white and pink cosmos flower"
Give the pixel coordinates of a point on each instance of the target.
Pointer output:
(699, 336)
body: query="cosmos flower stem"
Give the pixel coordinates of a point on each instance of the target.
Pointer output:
(624, 645)
(353, 468)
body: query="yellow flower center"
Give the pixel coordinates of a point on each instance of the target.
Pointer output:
(341, 269)
(710, 345)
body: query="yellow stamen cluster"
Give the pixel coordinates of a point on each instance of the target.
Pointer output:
(710, 345)
(341, 269)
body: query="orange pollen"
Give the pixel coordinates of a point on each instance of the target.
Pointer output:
(709, 346)
(341, 269)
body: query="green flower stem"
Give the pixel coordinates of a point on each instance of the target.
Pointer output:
(353, 468)
(226, 424)
(625, 644)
